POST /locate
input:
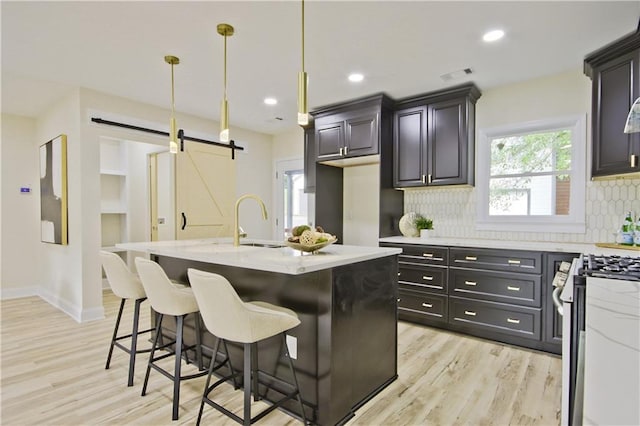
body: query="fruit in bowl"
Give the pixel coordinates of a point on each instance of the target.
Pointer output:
(306, 239)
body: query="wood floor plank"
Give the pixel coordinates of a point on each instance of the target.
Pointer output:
(52, 373)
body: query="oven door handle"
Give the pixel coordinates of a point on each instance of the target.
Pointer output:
(556, 299)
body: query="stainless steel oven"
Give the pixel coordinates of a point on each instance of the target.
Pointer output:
(570, 302)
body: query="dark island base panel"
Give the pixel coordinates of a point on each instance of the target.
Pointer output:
(347, 339)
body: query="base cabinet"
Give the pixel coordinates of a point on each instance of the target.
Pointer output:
(502, 295)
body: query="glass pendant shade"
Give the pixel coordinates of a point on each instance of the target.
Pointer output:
(173, 139)
(224, 121)
(303, 112)
(633, 119)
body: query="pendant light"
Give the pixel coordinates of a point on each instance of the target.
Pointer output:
(224, 30)
(173, 138)
(303, 82)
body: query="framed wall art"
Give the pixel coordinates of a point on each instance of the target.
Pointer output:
(53, 191)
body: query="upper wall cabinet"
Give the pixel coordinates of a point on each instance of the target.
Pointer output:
(615, 73)
(433, 138)
(350, 129)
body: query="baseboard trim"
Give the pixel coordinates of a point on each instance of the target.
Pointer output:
(18, 292)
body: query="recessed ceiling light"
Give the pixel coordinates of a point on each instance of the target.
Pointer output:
(270, 101)
(493, 35)
(356, 77)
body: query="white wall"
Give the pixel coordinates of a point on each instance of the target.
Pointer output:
(454, 209)
(19, 212)
(69, 277)
(361, 199)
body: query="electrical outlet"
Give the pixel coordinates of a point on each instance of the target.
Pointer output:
(292, 346)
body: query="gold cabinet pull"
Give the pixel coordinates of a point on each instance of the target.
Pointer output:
(513, 288)
(427, 254)
(429, 179)
(427, 277)
(470, 313)
(346, 148)
(513, 262)
(473, 258)
(634, 160)
(470, 283)
(513, 321)
(341, 151)
(399, 273)
(399, 299)
(424, 179)
(427, 305)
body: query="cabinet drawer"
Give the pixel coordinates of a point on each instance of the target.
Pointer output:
(429, 255)
(498, 317)
(521, 289)
(423, 278)
(500, 260)
(431, 306)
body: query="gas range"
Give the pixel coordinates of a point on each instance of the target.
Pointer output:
(612, 267)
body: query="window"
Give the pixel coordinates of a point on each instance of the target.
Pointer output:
(531, 176)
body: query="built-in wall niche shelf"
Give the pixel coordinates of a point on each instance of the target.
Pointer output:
(114, 194)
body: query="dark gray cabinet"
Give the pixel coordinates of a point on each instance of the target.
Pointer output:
(434, 138)
(347, 131)
(615, 74)
(502, 295)
(309, 160)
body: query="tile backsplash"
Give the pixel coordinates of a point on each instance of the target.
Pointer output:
(453, 211)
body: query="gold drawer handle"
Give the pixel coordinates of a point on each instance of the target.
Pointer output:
(427, 305)
(399, 299)
(399, 273)
(513, 321)
(470, 282)
(634, 161)
(512, 288)
(474, 258)
(513, 262)
(427, 277)
(427, 254)
(470, 313)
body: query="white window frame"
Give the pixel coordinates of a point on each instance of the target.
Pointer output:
(574, 222)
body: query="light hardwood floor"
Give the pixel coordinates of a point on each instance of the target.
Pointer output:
(53, 374)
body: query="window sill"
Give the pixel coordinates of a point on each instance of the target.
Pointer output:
(520, 225)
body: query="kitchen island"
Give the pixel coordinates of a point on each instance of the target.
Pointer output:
(345, 348)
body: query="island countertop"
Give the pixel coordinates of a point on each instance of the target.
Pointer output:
(272, 259)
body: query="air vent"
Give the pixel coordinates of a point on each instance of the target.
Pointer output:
(456, 75)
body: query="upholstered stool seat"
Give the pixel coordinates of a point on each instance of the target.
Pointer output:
(230, 319)
(126, 286)
(167, 298)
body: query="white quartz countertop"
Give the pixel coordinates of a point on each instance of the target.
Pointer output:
(549, 246)
(283, 260)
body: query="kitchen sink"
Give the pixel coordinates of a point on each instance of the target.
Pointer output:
(265, 245)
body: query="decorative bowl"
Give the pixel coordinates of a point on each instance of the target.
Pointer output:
(311, 248)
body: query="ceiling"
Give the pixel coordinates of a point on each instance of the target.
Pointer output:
(402, 48)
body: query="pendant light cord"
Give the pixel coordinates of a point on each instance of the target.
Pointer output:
(303, 35)
(225, 65)
(173, 103)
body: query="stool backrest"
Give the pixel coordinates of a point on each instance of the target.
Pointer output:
(164, 297)
(222, 310)
(124, 283)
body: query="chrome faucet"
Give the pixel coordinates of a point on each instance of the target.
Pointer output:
(236, 232)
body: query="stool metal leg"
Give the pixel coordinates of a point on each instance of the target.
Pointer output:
(153, 351)
(178, 365)
(254, 371)
(247, 383)
(115, 334)
(134, 341)
(295, 379)
(198, 341)
(206, 386)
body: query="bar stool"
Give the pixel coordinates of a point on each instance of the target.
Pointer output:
(126, 286)
(169, 299)
(229, 318)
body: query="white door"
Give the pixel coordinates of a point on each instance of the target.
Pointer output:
(205, 191)
(293, 206)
